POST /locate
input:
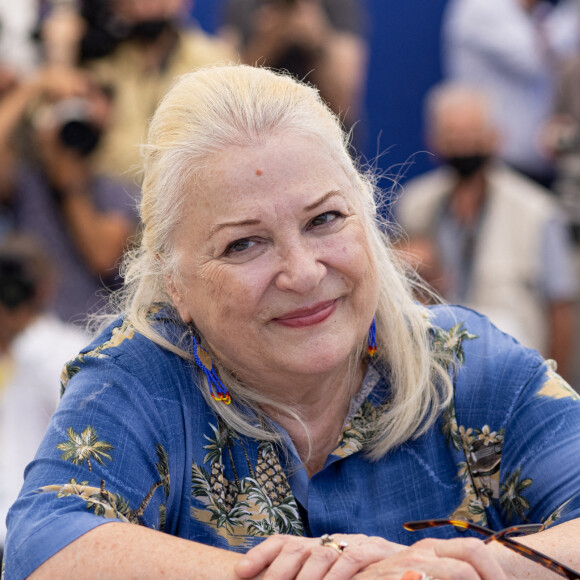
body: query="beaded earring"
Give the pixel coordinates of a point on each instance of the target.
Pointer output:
(204, 362)
(372, 340)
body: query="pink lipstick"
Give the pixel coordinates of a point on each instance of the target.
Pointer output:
(308, 316)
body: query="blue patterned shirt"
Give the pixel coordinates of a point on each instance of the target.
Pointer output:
(133, 440)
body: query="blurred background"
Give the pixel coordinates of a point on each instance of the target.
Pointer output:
(404, 61)
(468, 110)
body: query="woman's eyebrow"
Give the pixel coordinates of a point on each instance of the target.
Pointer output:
(325, 197)
(253, 222)
(217, 227)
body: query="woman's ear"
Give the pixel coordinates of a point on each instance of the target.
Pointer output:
(176, 295)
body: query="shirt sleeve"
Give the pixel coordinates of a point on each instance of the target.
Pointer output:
(540, 474)
(96, 464)
(518, 431)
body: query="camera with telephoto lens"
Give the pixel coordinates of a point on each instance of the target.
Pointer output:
(77, 130)
(16, 286)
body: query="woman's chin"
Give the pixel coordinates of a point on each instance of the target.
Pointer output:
(318, 359)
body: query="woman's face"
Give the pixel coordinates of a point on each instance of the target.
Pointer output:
(275, 268)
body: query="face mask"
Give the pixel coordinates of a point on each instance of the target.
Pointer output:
(467, 165)
(150, 30)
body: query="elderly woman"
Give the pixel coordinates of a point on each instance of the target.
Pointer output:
(271, 377)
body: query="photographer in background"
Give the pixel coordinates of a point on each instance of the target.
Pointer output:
(55, 194)
(155, 45)
(322, 41)
(499, 239)
(34, 346)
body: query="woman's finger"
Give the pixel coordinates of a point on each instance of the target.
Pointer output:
(458, 559)
(284, 556)
(260, 557)
(316, 566)
(357, 556)
(474, 552)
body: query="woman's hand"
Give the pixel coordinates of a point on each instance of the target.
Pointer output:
(285, 557)
(458, 559)
(369, 558)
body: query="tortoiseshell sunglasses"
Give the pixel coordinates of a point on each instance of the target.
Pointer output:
(504, 538)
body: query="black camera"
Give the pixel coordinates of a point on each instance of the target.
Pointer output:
(16, 286)
(77, 131)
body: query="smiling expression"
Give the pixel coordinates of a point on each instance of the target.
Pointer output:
(274, 265)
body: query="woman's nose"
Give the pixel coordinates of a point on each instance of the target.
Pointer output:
(301, 269)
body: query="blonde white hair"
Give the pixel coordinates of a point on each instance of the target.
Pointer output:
(208, 111)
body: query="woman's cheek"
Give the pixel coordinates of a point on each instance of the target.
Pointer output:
(239, 289)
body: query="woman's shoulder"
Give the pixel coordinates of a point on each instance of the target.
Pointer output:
(481, 350)
(482, 332)
(120, 345)
(119, 335)
(492, 368)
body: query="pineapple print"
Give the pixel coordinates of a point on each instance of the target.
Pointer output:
(224, 491)
(270, 475)
(257, 505)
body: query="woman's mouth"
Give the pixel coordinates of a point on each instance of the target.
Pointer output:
(307, 316)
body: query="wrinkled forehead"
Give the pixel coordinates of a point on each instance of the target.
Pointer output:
(281, 165)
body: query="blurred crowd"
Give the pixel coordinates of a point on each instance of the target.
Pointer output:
(495, 226)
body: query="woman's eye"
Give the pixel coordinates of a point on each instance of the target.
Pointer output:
(239, 246)
(324, 218)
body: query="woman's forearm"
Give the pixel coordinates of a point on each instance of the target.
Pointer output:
(119, 550)
(558, 542)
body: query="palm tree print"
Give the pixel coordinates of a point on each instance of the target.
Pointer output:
(480, 472)
(557, 513)
(100, 500)
(258, 505)
(105, 503)
(482, 448)
(512, 501)
(162, 466)
(358, 431)
(224, 514)
(282, 515)
(84, 447)
(111, 505)
(449, 343)
(68, 372)
(450, 429)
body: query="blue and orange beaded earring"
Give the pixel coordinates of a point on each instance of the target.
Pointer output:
(204, 362)
(372, 339)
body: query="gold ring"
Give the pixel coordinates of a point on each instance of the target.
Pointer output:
(329, 542)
